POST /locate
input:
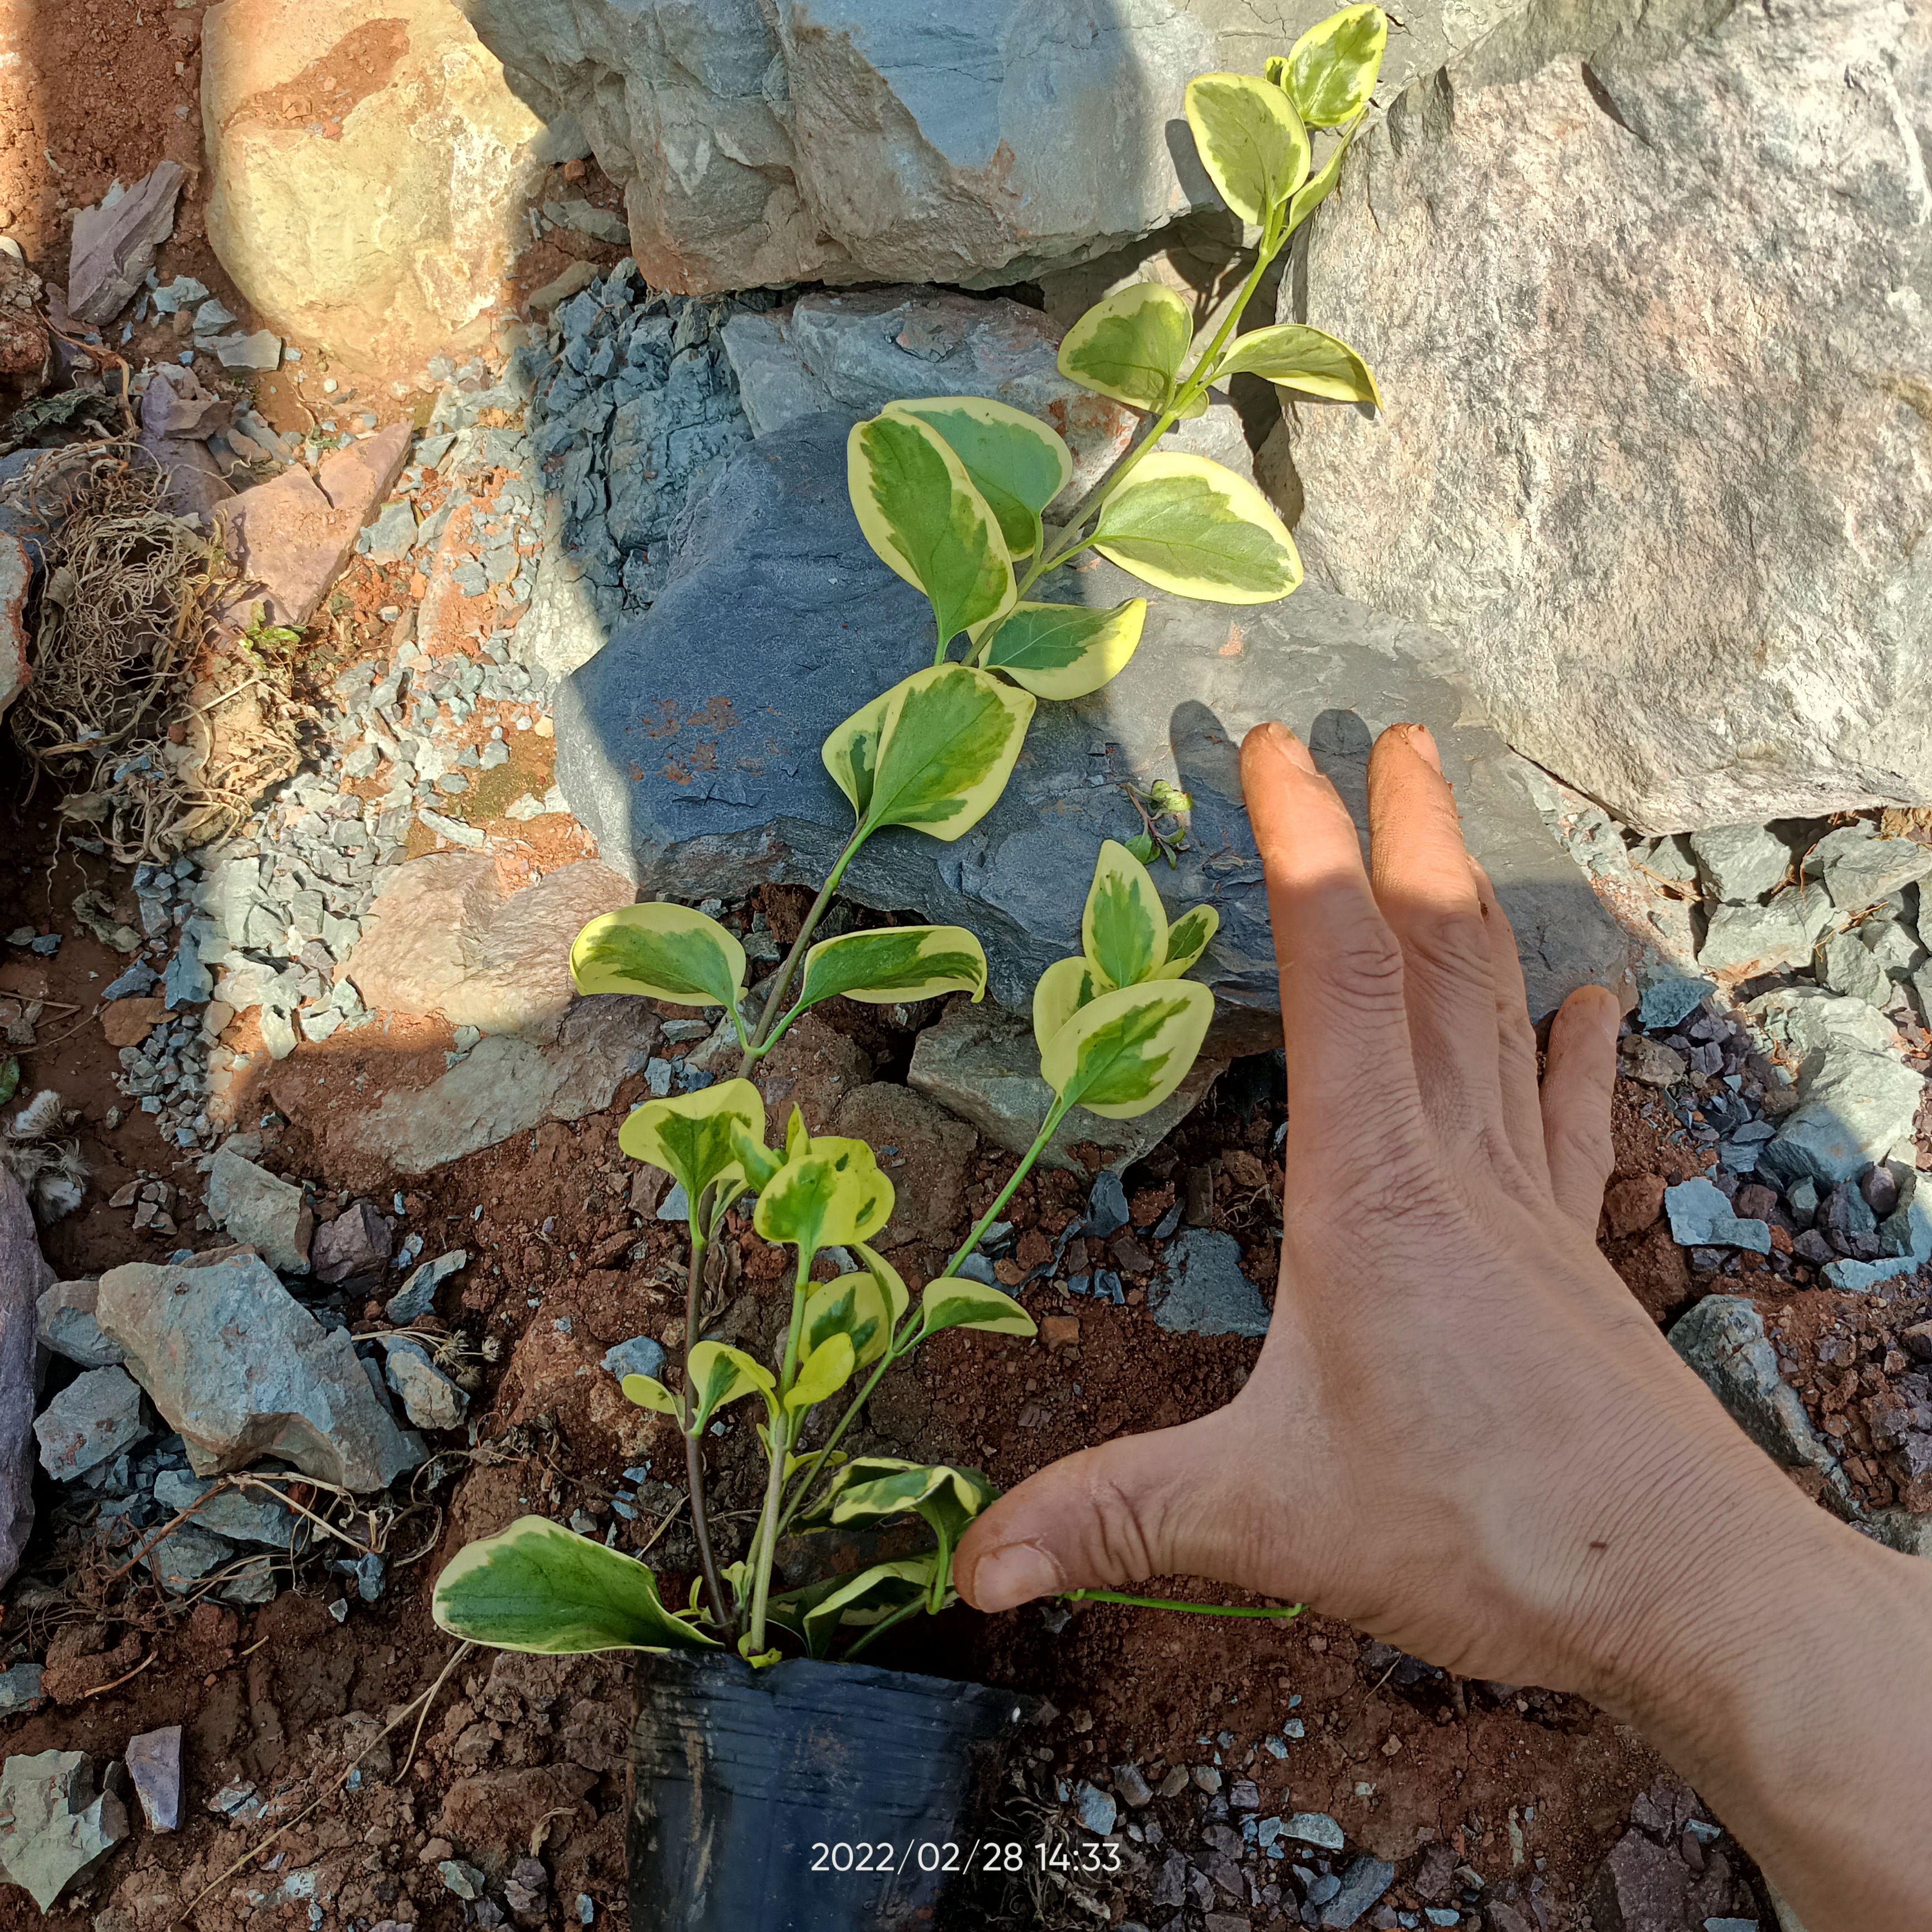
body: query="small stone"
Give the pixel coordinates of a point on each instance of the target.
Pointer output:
(1854, 1108)
(1754, 1201)
(1059, 1331)
(1205, 1292)
(1701, 1217)
(1206, 1778)
(239, 1515)
(20, 1690)
(417, 1295)
(465, 1880)
(1844, 964)
(154, 1764)
(1740, 863)
(1651, 1061)
(261, 1212)
(430, 1399)
(357, 1242)
(128, 1022)
(53, 1829)
(1106, 1206)
(1132, 1786)
(91, 1420)
(1667, 1003)
(639, 1356)
(262, 349)
(1095, 1810)
(1747, 941)
(1364, 1881)
(1860, 867)
(1173, 1783)
(179, 1560)
(65, 1322)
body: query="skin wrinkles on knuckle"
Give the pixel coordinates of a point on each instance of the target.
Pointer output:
(1123, 1551)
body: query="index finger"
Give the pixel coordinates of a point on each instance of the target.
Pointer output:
(1343, 1021)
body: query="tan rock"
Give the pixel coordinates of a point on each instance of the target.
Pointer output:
(922, 1149)
(128, 1022)
(460, 934)
(813, 1068)
(16, 575)
(370, 162)
(293, 535)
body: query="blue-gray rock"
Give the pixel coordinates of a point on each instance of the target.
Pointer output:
(1846, 966)
(90, 1422)
(639, 1356)
(20, 1690)
(1860, 1277)
(270, 1215)
(188, 982)
(691, 748)
(154, 1763)
(430, 1399)
(1723, 1338)
(417, 1295)
(1314, 1828)
(1667, 999)
(1739, 863)
(1860, 866)
(54, 1829)
(1363, 1881)
(1106, 1206)
(1701, 1217)
(138, 980)
(25, 1276)
(242, 1515)
(1854, 1108)
(1749, 939)
(1095, 1809)
(1205, 1292)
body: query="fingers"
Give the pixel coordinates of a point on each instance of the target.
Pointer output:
(1171, 1503)
(1342, 1020)
(1516, 1038)
(1578, 1078)
(1427, 892)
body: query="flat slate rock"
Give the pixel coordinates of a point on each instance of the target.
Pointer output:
(689, 745)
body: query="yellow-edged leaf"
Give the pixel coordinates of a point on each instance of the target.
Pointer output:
(1319, 186)
(1123, 928)
(851, 753)
(891, 964)
(1308, 359)
(1060, 992)
(720, 1375)
(917, 508)
(853, 1306)
(1330, 72)
(1125, 1052)
(1016, 463)
(693, 1137)
(887, 1276)
(823, 1373)
(951, 1303)
(1187, 939)
(536, 1587)
(1064, 651)
(1130, 345)
(946, 747)
(1250, 138)
(1191, 526)
(828, 1193)
(647, 1392)
(663, 951)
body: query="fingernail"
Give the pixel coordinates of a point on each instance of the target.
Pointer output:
(1290, 747)
(1014, 1575)
(1423, 746)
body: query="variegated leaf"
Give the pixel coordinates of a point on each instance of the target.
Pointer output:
(1130, 346)
(662, 951)
(892, 964)
(1016, 462)
(1250, 138)
(1064, 651)
(1124, 928)
(1124, 1053)
(1192, 526)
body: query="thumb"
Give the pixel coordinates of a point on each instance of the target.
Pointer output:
(1167, 1503)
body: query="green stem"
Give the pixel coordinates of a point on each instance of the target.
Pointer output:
(780, 986)
(808, 1475)
(879, 1629)
(693, 1449)
(1174, 1603)
(768, 1535)
(1055, 1115)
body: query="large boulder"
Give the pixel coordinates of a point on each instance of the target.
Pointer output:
(690, 744)
(369, 166)
(24, 1276)
(772, 141)
(1643, 290)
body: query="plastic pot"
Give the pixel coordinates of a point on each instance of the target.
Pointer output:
(807, 1797)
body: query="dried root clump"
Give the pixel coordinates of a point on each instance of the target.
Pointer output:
(37, 1149)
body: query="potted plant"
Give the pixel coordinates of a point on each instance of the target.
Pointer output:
(780, 1779)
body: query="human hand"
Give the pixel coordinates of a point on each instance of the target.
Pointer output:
(1463, 1436)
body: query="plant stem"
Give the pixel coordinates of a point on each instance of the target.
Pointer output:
(879, 1629)
(780, 986)
(1055, 1115)
(694, 1451)
(1174, 1603)
(782, 1424)
(808, 1476)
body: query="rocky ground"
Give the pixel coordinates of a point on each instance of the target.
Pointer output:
(333, 1260)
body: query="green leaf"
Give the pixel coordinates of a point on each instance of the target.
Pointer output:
(853, 1306)
(1318, 187)
(881, 967)
(952, 1302)
(868, 1598)
(1251, 141)
(720, 1375)
(1016, 462)
(647, 1392)
(694, 1137)
(1130, 346)
(824, 1372)
(1330, 71)
(1187, 939)
(871, 1488)
(663, 951)
(887, 1277)
(1124, 928)
(536, 1587)
(1064, 651)
(10, 1077)
(1060, 992)
(828, 1193)
(1124, 1053)
(1299, 358)
(851, 753)
(946, 748)
(1187, 525)
(1142, 846)
(919, 510)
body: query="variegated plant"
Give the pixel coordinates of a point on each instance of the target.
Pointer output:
(960, 496)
